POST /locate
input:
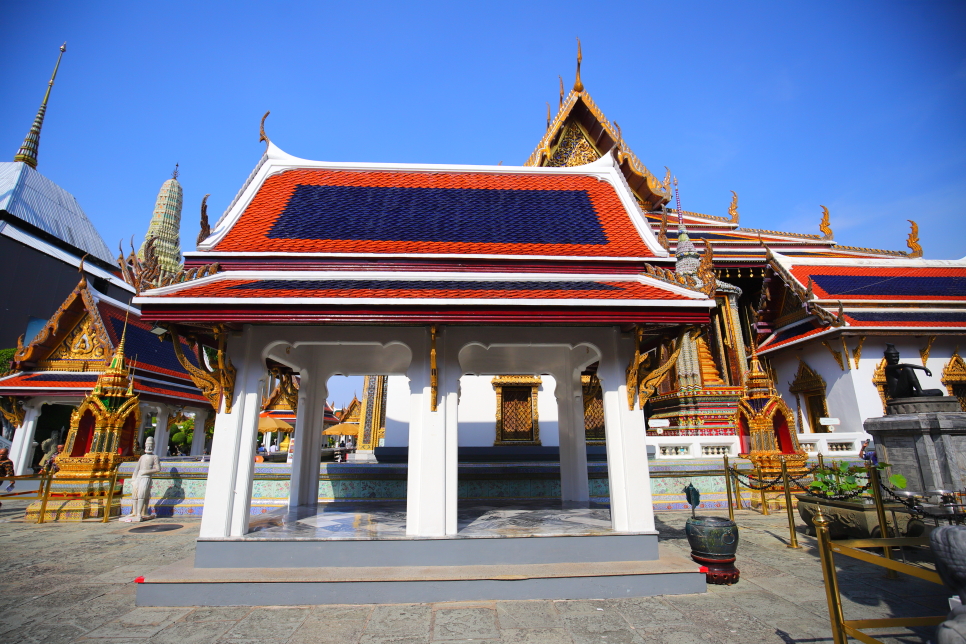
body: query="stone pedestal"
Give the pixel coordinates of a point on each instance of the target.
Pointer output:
(924, 439)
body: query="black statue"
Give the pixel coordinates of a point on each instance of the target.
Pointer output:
(901, 380)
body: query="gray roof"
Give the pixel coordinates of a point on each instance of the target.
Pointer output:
(35, 199)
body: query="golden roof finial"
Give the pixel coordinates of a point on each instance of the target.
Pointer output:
(915, 250)
(662, 233)
(578, 84)
(175, 173)
(548, 115)
(31, 143)
(561, 91)
(205, 229)
(733, 208)
(80, 269)
(825, 224)
(261, 131)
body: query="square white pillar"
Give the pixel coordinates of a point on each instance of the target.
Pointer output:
(631, 506)
(307, 454)
(228, 494)
(426, 479)
(22, 449)
(574, 486)
(198, 438)
(161, 434)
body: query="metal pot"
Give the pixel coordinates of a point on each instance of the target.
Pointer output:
(712, 537)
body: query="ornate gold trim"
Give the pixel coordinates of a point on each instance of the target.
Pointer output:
(733, 208)
(533, 382)
(217, 384)
(915, 250)
(433, 373)
(662, 233)
(12, 410)
(845, 354)
(858, 351)
(825, 225)
(835, 354)
(954, 377)
(879, 382)
(924, 353)
(641, 385)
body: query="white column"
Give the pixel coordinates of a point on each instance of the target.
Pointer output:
(426, 479)
(267, 440)
(161, 434)
(449, 399)
(307, 455)
(228, 493)
(22, 450)
(574, 486)
(146, 411)
(631, 507)
(198, 439)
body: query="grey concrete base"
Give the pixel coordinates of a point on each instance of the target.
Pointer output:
(181, 584)
(241, 553)
(929, 449)
(923, 405)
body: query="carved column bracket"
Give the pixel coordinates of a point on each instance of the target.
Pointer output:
(642, 384)
(217, 384)
(433, 373)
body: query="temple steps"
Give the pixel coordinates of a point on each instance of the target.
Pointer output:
(182, 584)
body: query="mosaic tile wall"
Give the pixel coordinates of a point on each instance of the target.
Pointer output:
(180, 487)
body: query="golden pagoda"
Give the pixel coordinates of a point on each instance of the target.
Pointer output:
(766, 423)
(102, 435)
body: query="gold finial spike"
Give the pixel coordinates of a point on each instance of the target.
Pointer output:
(578, 84)
(175, 173)
(825, 225)
(733, 209)
(80, 269)
(915, 250)
(548, 116)
(205, 230)
(261, 131)
(31, 143)
(561, 91)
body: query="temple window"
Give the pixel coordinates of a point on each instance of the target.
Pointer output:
(516, 410)
(810, 386)
(593, 409)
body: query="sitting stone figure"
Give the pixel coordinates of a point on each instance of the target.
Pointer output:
(949, 545)
(901, 380)
(147, 465)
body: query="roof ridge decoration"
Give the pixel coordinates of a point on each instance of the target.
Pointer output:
(825, 225)
(733, 208)
(31, 144)
(144, 274)
(579, 93)
(915, 250)
(205, 230)
(805, 294)
(217, 383)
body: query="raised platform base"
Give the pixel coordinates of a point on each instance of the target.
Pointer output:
(71, 510)
(181, 584)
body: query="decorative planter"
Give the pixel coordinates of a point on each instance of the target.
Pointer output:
(714, 541)
(856, 519)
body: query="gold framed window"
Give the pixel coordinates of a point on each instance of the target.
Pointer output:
(810, 386)
(517, 418)
(593, 410)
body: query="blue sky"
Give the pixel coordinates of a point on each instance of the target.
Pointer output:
(858, 105)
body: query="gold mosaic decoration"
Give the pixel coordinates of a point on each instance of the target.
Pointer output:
(517, 418)
(954, 377)
(593, 398)
(879, 380)
(574, 149)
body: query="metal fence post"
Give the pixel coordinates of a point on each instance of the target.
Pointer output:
(761, 490)
(792, 536)
(727, 478)
(43, 503)
(836, 617)
(873, 474)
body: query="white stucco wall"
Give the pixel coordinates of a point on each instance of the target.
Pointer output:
(477, 412)
(850, 394)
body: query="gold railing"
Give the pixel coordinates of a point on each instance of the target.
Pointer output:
(37, 494)
(842, 629)
(110, 496)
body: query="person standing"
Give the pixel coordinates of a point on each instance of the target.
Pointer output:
(6, 468)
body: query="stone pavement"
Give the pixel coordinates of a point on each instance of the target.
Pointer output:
(73, 583)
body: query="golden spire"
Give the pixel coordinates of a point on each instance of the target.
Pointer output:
(578, 84)
(915, 250)
(733, 208)
(561, 91)
(31, 143)
(825, 225)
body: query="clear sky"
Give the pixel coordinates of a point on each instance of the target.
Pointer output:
(860, 106)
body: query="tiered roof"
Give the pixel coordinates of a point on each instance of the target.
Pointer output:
(76, 345)
(807, 298)
(314, 241)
